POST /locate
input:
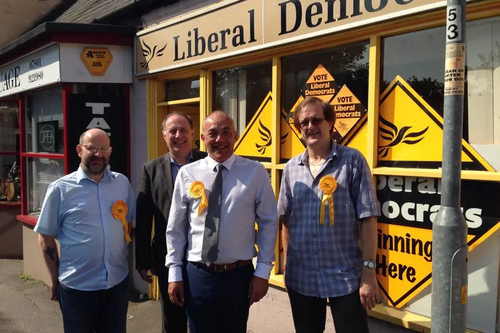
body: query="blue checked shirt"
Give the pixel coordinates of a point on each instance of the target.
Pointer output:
(322, 260)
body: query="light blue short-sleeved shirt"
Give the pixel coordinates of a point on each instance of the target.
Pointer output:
(78, 211)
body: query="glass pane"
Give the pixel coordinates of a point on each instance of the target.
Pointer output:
(10, 181)
(338, 76)
(419, 59)
(240, 91)
(182, 89)
(44, 106)
(41, 172)
(9, 127)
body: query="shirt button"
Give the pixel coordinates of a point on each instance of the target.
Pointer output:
(314, 235)
(315, 253)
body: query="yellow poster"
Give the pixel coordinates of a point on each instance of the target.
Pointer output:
(256, 140)
(411, 132)
(320, 84)
(348, 109)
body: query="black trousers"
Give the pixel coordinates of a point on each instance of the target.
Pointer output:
(309, 313)
(174, 319)
(217, 302)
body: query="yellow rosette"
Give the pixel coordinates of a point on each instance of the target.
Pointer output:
(120, 210)
(197, 191)
(327, 185)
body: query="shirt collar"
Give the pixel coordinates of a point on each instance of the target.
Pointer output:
(333, 152)
(80, 174)
(227, 163)
(190, 158)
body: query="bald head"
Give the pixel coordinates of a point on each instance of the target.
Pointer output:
(219, 135)
(218, 116)
(96, 133)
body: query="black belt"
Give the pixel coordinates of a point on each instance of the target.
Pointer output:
(223, 267)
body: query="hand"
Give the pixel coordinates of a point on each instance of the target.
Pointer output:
(144, 275)
(368, 291)
(54, 291)
(258, 289)
(176, 292)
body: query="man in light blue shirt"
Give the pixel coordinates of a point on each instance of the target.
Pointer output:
(88, 212)
(217, 236)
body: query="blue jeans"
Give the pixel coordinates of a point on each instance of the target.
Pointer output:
(100, 311)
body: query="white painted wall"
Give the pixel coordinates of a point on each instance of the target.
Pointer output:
(73, 69)
(139, 151)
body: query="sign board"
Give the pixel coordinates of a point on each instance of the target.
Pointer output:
(414, 138)
(253, 25)
(36, 70)
(256, 140)
(47, 140)
(321, 84)
(96, 60)
(409, 205)
(105, 112)
(348, 109)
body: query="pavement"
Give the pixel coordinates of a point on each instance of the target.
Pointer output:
(25, 307)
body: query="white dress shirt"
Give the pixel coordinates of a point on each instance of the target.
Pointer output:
(247, 197)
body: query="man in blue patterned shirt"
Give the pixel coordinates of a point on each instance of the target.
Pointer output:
(328, 208)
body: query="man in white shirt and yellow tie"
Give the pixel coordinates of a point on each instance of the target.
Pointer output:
(215, 205)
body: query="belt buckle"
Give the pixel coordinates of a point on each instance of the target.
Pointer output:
(220, 270)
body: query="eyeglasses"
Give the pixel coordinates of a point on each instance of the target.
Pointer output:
(314, 121)
(94, 149)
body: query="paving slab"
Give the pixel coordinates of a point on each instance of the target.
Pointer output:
(25, 307)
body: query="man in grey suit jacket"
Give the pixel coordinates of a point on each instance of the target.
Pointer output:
(153, 200)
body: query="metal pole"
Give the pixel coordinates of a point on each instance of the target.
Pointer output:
(449, 239)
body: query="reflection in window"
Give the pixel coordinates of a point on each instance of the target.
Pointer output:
(41, 173)
(9, 127)
(240, 91)
(42, 106)
(418, 57)
(182, 89)
(346, 70)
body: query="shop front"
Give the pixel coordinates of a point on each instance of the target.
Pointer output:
(380, 64)
(54, 85)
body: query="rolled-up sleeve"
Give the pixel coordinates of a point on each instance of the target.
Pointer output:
(266, 216)
(49, 220)
(177, 228)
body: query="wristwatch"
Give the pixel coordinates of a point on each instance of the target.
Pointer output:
(370, 264)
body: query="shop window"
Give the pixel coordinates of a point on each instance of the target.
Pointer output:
(338, 76)
(241, 91)
(44, 107)
(182, 89)
(9, 152)
(41, 173)
(418, 58)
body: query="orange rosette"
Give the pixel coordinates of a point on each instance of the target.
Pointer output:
(119, 211)
(197, 191)
(327, 185)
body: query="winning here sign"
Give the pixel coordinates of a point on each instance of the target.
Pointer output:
(409, 206)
